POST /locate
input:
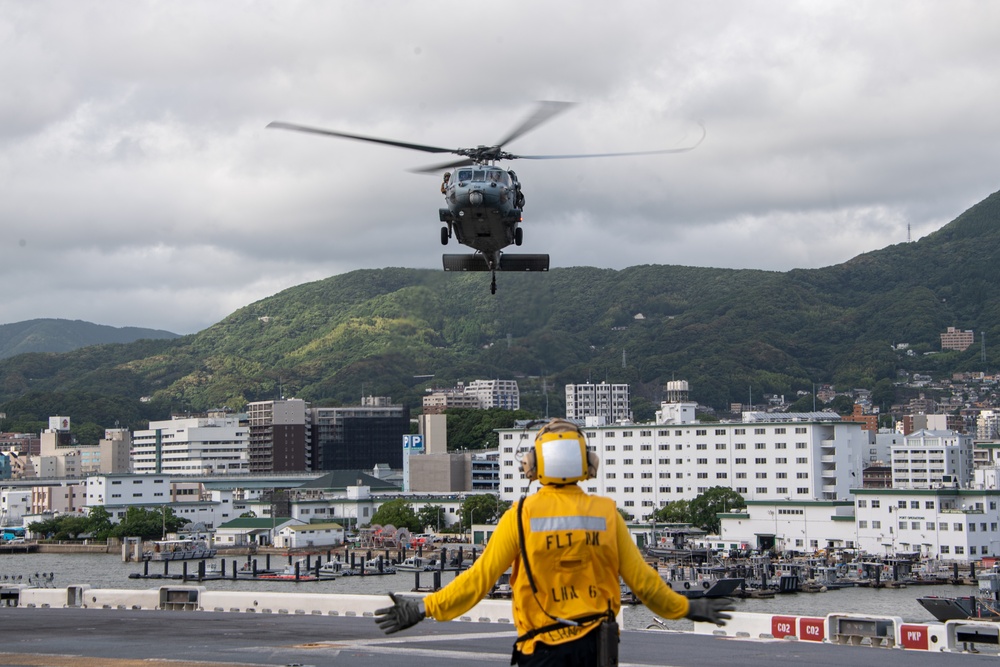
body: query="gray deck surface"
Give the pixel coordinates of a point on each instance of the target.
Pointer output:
(118, 638)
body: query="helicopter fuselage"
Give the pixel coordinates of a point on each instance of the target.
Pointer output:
(484, 208)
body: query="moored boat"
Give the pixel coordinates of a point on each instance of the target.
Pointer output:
(418, 564)
(985, 605)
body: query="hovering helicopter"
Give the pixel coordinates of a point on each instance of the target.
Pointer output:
(484, 201)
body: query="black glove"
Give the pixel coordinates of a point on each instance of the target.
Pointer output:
(710, 610)
(404, 612)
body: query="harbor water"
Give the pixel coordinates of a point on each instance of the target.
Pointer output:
(109, 571)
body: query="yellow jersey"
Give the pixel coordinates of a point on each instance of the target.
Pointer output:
(577, 546)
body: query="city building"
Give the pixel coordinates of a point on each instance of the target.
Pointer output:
(927, 459)
(609, 403)
(988, 425)
(946, 523)
(26, 444)
(789, 526)
(61, 498)
(766, 456)
(868, 420)
(280, 436)
(360, 437)
(501, 394)
(876, 476)
(439, 400)
(478, 394)
(953, 339)
(310, 535)
(213, 445)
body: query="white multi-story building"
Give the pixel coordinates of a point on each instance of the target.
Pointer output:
(928, 459)
(799, 457)
(946, 523)
(784, 526)
(495, 394)
(988, 425)
(192, 446)
(188, 500)
(14, 505)
(607, 402)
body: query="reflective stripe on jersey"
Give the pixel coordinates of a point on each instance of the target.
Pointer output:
(551, 523)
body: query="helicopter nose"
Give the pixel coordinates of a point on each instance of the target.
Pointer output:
(476, 198)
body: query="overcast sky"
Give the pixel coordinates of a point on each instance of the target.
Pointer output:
(139, 186)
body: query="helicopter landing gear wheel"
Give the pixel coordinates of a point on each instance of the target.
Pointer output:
(444, 236)
(518, 236)
(493, 285)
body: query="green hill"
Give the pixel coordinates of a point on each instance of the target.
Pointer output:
(55, 335)
(728, 332)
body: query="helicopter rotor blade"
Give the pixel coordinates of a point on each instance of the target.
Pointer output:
(433, 169)
(359, 137)
(704, 132)
(545, 110)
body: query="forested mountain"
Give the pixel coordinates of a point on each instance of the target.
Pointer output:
(727, 332)
(55, 335)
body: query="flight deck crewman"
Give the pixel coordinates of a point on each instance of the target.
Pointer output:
(568, 549)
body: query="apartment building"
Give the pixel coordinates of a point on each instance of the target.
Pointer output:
(608, 403)
(927, 459)
(794, 456)
(213, 445)
(954, 339)
(477, 395)
(280, 436)
(501, 394)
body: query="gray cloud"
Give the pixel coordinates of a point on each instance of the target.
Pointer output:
(139, 187)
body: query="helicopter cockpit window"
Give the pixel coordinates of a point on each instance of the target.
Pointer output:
(479, 175)
(499, 177)
(465, 175)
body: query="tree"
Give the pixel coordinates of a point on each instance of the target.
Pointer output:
(625, 515)
(431, 515)
(100, 522)
(678, 511)
(148, 524)
(65, 527)
(398, 513)
(484, 508)
(718, 499)
(842, 405)
(804, 403)
(470, 428)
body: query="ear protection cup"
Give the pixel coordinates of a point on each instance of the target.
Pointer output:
(529, 465)
(593, 461)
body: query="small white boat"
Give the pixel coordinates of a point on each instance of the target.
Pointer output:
(372, 566)
(331, 569)
(418, 564)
